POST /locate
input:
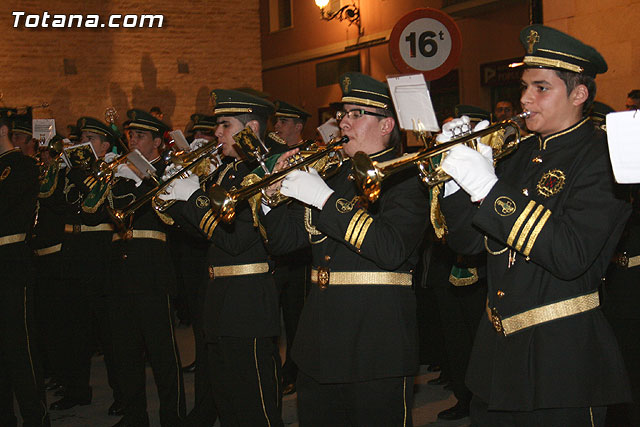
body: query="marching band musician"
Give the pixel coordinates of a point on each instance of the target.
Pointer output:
(138, 294)
(291, 270)
(241, 316)
(549, 221)
(356, 343)
(22, 135)
(79, 298)
(19, 358)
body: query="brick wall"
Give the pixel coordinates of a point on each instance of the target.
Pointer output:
(129, 67)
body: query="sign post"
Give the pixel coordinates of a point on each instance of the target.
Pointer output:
(427, 41)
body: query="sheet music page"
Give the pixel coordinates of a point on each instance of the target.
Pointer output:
(623, 134)
(43, 130)
(412, 102)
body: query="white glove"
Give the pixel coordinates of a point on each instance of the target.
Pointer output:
(181, 189)
(110, 157)
(124, 171)
(197, 143)
(169, 171)
(471, 170)
(307, 187)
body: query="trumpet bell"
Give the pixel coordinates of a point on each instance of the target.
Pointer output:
(222, 202)
(367, 176)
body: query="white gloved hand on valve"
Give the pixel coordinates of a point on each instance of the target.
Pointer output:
(307, 187)
(181, 189)
(124, 171)
(471, 170)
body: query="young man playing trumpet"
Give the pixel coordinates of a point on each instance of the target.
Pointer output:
(241, 316)
(356, 344)
(549, 221)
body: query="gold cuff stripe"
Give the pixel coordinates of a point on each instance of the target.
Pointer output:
(537, 61)
(527, 227)
(240, 270)
(516, 227)
(357, 228)
(536, 232)
(50, 250)
(212, 227)
(88, 180)
(352, 224)
(71, 228)
(363, 101)
(550, 312)
(140, 234)
(205, 218)
(365, 278)
(363, 232)
(14, 238)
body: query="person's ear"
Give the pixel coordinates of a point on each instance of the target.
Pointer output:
(254, 126)
(386, 125)
(157, 142)
(579, 95)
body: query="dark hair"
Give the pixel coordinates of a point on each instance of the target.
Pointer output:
(573, 80)
(634, 94)
(5, 121)
(155, 110)
(262, 122)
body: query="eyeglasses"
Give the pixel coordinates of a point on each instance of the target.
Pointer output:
(355, 114)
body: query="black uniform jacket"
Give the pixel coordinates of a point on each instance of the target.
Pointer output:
(554, 207)
(137, 265)
(350, 333)
(239, 305)
(18, 193)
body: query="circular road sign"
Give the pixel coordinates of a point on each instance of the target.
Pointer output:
(427, 41)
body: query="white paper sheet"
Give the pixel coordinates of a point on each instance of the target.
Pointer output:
(412, 102)
(623, 133)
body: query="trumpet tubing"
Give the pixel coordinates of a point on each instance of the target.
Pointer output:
(223, 202)
(369, 174)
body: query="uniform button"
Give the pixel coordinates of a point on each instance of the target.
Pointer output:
(124, 256)
(537, 159)
(525, 191)
(327, 258)
(500, 294)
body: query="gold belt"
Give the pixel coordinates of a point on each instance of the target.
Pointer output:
(546, 313)
(238, 270)
(81, 228)
(140, 234)
(324, 277)
(14, 238)
(624, 261)
(50, 250)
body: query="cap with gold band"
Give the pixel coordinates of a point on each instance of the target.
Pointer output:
(360, 89)
(203, 122)
(89, 124)
(228, 102)
(547, 47)
(142, 120)
(286, 110)
(22, 124)
(599, 112)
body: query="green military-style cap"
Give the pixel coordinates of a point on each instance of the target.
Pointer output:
(284, 109)
(228, 102)
(22, 124)
(599, 112)
(360, 89)
(203, 122)
(89, 124)
(549, 48)
(143, 120)
(475, 114)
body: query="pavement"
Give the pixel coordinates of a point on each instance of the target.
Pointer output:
(428, 399)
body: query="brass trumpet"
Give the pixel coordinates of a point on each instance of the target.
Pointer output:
(369, 174)
(190, 161)
(223, 202)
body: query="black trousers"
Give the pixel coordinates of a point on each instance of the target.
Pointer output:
(291, 281)
(383, 402)
(245, 375)
(20, 367)
(142, 324)
(553, 417)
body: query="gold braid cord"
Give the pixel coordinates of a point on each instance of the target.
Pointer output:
(437, 219)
